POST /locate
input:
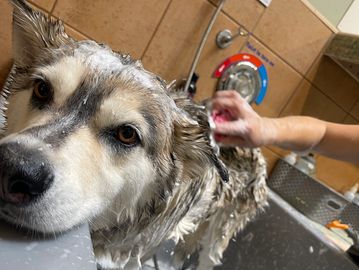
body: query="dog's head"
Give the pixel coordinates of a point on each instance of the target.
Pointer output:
(87, 127)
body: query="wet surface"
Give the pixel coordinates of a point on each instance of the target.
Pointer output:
(24, 250)
(279, 240)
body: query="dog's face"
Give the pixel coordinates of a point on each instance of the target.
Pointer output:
(86, 129)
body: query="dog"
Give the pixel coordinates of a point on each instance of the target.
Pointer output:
(88, 135)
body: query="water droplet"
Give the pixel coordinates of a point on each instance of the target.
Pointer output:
(172, 253)
(231, 216)
(40, 149)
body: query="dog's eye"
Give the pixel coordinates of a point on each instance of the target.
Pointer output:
(127, 135)
(42, 90)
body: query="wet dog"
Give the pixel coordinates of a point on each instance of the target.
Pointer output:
(90, 136)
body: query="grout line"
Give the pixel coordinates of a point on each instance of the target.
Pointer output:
(40, 8)
(79, 31)
(233, 20)
(50, 14)
(156, 29)
(259, 19)
(353, 117)
(53, 7)
(321, 17)
(304, 76)
(291, 96)
(345, 117)
(354, 104)
(72, 27)
(278, 56)
(330, 98)
(323, 93)
(326, 95)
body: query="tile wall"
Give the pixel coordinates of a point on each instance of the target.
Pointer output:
(166, 33)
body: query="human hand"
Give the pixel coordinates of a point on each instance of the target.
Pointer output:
(237, 124)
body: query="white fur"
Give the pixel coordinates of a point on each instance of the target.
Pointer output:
(104, 60)
(65, 76)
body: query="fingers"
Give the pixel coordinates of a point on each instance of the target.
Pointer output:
(228, 100)
(223, 140)
(228, 93)
(232, 128)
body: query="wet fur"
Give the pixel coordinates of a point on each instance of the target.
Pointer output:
(170, 186)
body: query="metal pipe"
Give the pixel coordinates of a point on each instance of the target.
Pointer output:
(201, 45)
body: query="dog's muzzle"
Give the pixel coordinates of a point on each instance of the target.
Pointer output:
(25, 174)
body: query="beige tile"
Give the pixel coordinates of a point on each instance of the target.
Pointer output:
(44, 4)
(126, 25)
(173, 47)
(307, 100)
(5, 40)
(282, 79)
(337, 174)
(294, 32)
(72, 32)
(212, 57)
(271, 158)
(350, 120)
(355, 110)
(278, 151)
(332, 80)
(235, 9)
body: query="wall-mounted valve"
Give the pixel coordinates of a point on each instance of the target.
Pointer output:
(244, 73)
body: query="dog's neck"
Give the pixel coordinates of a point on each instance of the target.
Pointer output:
(163, 216)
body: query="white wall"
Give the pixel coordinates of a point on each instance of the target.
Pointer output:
(350, 22)
(332, 10)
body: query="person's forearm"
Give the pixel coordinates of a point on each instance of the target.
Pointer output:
(340, 142)
(301, 133)
(295, 133)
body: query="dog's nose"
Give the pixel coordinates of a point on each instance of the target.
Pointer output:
(24, 174)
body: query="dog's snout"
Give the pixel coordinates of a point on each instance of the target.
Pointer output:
(25, 174)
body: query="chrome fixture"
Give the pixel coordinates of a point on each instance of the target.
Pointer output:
(225, 38)
(201, 45)
(242, 77)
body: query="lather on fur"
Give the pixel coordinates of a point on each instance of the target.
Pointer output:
(91, 136)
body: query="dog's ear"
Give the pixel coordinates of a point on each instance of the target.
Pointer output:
(192, 139)
(33, 32)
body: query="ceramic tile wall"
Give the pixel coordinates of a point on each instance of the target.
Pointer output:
(288, 36)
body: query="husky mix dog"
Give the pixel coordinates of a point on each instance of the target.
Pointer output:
(90, 136)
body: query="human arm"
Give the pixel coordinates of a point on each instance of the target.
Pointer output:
(244, 127)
